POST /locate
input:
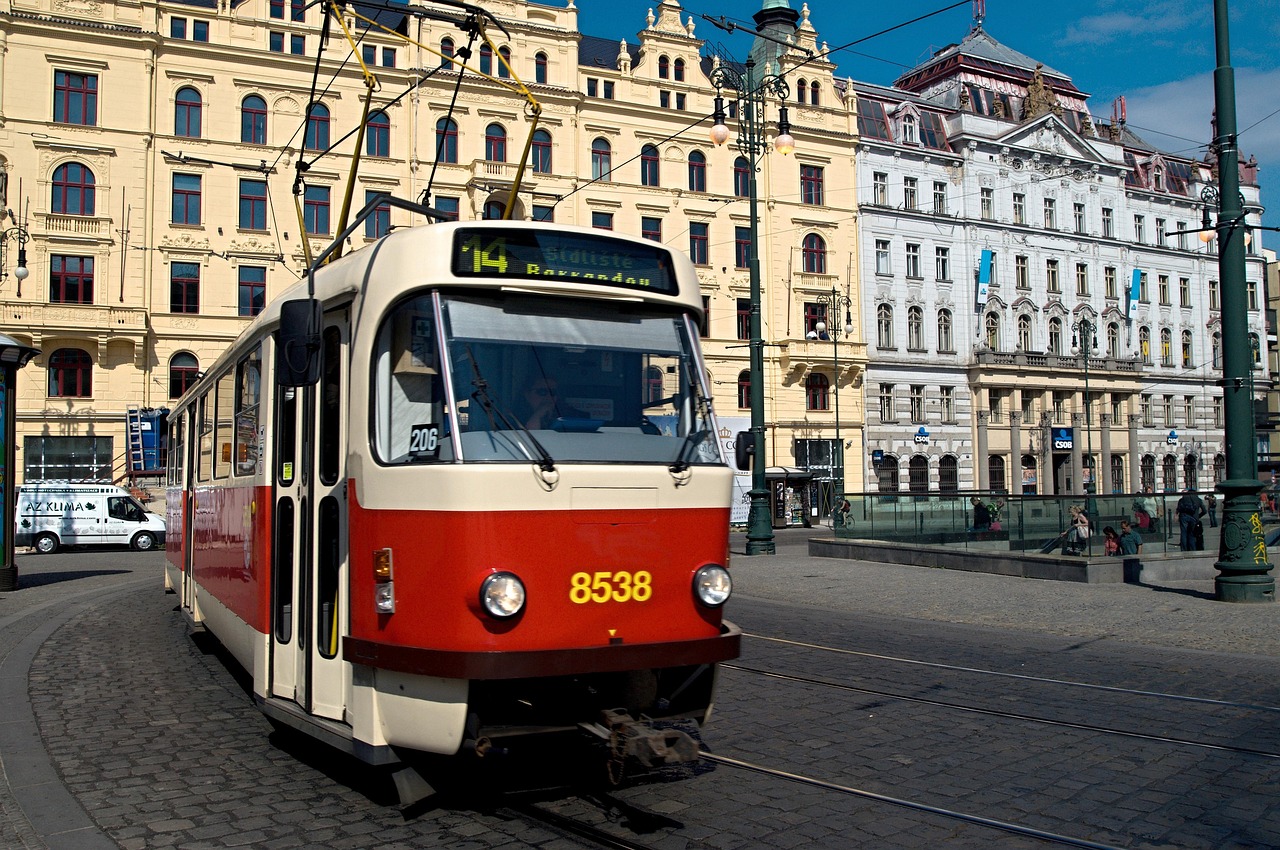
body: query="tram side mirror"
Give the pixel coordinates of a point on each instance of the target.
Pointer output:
(743, 449)
(298, 343)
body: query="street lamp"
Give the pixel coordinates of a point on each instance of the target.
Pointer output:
(21, 235)
(831, 307)
(1084, 344)
(750, 93)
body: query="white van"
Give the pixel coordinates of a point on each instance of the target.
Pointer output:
(63, 513)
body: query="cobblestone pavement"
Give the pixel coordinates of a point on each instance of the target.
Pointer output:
(122, 731)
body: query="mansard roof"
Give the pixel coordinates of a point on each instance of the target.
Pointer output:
(596, 52)
(980, 52)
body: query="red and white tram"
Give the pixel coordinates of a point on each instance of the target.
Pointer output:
(499, 509)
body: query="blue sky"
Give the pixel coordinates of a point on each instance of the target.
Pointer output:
(1159, 54)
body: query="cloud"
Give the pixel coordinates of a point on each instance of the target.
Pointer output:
(1160, 17)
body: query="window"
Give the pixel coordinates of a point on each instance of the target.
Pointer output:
(253, 120)
(253, 205)
(252, 290)
(909, 136)
(917, 405)
(593, 88)
(814, 93)
(939, 198)
(884, 326)
(913, 260)
(1109, 281)
(1077, 214)
(1139, 229)
(1051, 276)
(493, 210)
(1184, 291)
(317, 138)
(540, 68)
(1162, 288)
(1024, 333)
(1113, 341)
(915, 328)
(447, 49)
(75, 98)
(815, 391)
(1251, 291)
(70, 374)
(945, 341)
(447, 140)
(1186, 350)
(883, 265)
(449, 206)
(1213, 295)
(1055, 336)
(698, 242)
(1166, 347)
(186, 113)
(495, 143)
(297, 45)
(369, 53)
(678, 68)
(741, 177)
(880, 189)
(947, 405)
(942, 263)
(602, 220)
(608, 94)
(541, 212)
(886, 403)
(315, 210)
(184, 288)
(649, 166)
(177, 27)
(73, 190)
(275, 42)
(992, 328)
(744, 387)
(988, 204)
(1108, 223)
(504, 65)
(378, 224)
(802, 90)
(1161, 230)
(540, 152)
(388, 57)
(1021, 273)
(910, 193)
(664, 68)
(1082, 279)
(814, 254)
(744, 318)
(811, 185)
(186, 199)
(1143, 295)
(1050, 214)
(184, 368)
(651, 228)
(1144, 344)
(741, 247)
(872, 123)
(601, 160)
(298, 10)
(697, 172)
(377, 136)
(1019, 208)
(486, 59)
(70, 279)
(277, 9)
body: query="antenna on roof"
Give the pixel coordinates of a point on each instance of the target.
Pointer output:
(979, 12)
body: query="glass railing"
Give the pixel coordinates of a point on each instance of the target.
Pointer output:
(1011, 522)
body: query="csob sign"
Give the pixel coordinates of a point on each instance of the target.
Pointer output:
(1064, 439)
(922, 437)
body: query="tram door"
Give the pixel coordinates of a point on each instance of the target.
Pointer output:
(191, 423)
(309, 566)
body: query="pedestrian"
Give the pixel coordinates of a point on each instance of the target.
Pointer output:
(1130, 540)
(1077, 533)
(1189, 511)
(1110, 541)
(841, 515)
(1211, 502)
(981, 515)
(1146, 509)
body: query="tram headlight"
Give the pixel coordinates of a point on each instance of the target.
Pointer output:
(502, 595)
(712, 585)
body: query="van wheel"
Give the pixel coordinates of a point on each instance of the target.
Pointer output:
(144, 541)
(46, 544)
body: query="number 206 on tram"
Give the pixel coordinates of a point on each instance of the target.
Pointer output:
(468, 493)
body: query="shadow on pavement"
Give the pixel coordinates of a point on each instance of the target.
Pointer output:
(31, 579)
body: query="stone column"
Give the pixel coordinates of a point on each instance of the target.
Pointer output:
(1015, 451)
(1077, 454)
(980, 452)
(1105, 423)
(1135, 456)
(1048, 486)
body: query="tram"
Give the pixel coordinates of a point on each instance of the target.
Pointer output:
(464, 489)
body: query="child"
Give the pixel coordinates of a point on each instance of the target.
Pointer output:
(1111, 541)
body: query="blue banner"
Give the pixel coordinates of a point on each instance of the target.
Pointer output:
(984, 278)
(1135, 289)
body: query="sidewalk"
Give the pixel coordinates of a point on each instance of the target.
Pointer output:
(1181, 614)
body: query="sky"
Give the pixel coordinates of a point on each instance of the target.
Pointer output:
(1157, 54)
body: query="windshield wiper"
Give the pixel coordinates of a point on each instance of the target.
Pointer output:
(693, 438)
(492, 410)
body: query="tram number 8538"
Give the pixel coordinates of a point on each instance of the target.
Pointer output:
(607, 586)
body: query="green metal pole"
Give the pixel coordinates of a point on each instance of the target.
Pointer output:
(1243, 566)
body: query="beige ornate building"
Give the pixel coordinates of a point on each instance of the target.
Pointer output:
(150, 156)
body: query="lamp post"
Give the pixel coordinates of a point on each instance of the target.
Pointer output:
(13, 356)
(832, 304)
(21, 235)
(750, 93)
(1084, 344)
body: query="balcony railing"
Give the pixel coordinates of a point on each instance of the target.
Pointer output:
(1057, 362)
(88, 318)
(57, 224)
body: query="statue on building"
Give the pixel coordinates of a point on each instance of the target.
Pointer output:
(1040, 98)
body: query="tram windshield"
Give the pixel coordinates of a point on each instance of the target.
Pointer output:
(545, 380)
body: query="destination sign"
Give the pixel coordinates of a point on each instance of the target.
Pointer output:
(558, 256)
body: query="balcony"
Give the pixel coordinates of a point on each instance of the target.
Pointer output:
(55, 225)
(497, 174)
(1056, 362)
(89, 320)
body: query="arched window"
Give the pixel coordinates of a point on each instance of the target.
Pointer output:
(887, 475)
(73, 192)
(253, 120)
(915, 328)
(992, 328)
(813, 253)
(1113, 340)
(1256, 347)
(446, 140)
(884, 326)
(377, 135)
(1169, 468)
(741, 177)
(1190, 473)
(1166, 347)
(664, 67)
(744, 389)
(653, 385)
(505, 54)
(1055, 336)
(1024, 332)
(495, 143)
(697, 172)
(1186, 350)
(184, 368)
(918, 474)
(649, 166)
(446, 52)
(995, 474)
(541, 152)
(317, 138)
(486, 59)
(1219, 468)
(815, 391)
(908, 129)
(70, 374)
(540, 68)
(814, 92)
(679, 70)
(1117, 474)
(802, 91)
(948, 474)
(601, 160)
(1144, 344)
(1147, 469)
(493, 210)
(1029, 475)
(1217, 350)
(186, 113)
(945, 342)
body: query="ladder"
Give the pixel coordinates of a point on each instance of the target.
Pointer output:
(133, 429)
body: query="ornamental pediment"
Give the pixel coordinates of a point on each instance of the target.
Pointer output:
(1048, 136)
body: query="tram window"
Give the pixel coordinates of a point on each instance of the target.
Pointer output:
(410, 415)
(282, 571)
(248, 398)
(286, 433)
(225, 428)
(205, 423)
(331, 406)
(327, 590)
